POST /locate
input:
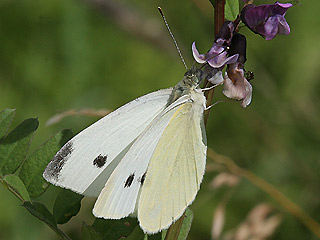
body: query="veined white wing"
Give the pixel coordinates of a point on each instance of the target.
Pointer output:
(176, 168)
(85, 163)
(118, 197)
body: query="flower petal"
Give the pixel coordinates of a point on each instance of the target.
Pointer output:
(280, 8)
(221, 60)
(217, 78)
(283, 28)
(232, 91)
(236, 86)
(267, 20)
(271, 27)
(247, 100)
(200, 58)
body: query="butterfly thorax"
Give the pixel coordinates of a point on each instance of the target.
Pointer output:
(188, 84)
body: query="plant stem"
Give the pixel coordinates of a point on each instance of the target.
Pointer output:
(174, 229)
(218, 15)
(218, 21)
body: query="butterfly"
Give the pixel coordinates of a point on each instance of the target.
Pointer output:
(147, 158)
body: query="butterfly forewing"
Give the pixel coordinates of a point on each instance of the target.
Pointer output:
(95, 152)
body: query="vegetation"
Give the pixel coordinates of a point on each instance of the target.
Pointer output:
(76, 56)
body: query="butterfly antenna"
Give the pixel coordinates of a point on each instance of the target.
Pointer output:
(174, 40)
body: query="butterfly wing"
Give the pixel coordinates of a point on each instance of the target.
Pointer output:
(118, 197)
(86, 162)
(176, 169)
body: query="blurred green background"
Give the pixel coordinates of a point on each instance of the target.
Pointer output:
(58, 55)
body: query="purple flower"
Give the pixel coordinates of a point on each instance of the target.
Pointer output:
(236, 86)
(217, 56)
(213, 75)
(266, 20)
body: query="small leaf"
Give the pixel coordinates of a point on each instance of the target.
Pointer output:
(66, 206)
(179, 231)
(114, 229)
(159, 236)
(14, 148)
(42, 213)
(212, 2)
(231, 9)
(6, 117)
(88, 233)
(16, 186)
(186, 225)
(35, 164)
(137, 234)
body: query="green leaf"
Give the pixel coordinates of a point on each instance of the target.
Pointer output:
(42, 213)
(137, 234)
(186, 225)
(212, 2)
(159, 236)
(6, 117)
(88, 233)
(16, 186)
(15, 146)
(231, 9)
(66, 206)
(114, 229)
(35, 164)
(180, 229)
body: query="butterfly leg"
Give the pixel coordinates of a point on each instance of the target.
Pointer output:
(207, 108)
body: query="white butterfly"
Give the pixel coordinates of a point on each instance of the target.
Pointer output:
(146, 158)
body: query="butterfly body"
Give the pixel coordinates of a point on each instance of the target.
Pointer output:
(146, 158)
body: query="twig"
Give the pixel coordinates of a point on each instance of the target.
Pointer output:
(72, 112)
(218, 21)
(271, 190)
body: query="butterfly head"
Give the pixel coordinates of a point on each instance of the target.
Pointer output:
(192, 78)
(189, 83)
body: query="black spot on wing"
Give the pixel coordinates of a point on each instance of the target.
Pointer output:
(129, 180)
(143, 177)
(58, 161)
(100, 161)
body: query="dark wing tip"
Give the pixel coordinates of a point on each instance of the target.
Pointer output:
(54, 167)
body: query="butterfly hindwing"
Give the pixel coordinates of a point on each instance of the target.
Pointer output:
(118, 197)
(85, 162)
(175, 171)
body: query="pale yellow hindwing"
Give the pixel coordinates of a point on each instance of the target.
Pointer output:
(175, 171)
